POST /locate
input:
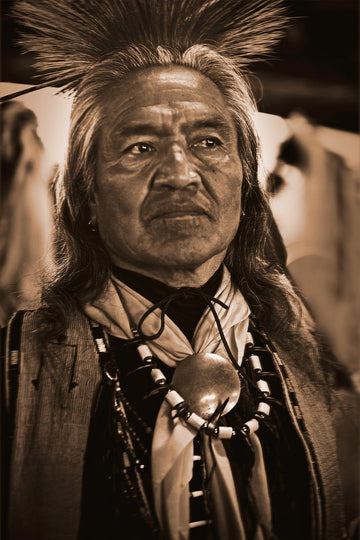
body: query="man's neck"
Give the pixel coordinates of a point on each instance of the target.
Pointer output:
(177, 276)
(186, 310)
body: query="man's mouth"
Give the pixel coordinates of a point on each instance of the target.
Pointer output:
(176, 211)
(179, 214)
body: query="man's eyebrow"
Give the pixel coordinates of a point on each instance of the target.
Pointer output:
(217, 123)
(140, 129)
(131, 129)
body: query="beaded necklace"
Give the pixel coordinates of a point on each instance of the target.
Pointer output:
(132, 466)
(178, 403)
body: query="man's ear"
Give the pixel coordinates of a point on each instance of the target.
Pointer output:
(93, 203)
(92, 223)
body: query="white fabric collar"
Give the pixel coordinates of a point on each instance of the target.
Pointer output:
(119, 303)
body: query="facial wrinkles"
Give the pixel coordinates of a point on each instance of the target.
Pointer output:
(170, 128)
(168, 124)
(137, 91)
(175, 199)
(149, 88)
(164, 115)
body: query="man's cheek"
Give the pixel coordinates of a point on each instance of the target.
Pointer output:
(229, 193)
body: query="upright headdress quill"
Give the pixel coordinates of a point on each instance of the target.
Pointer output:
(69, 37)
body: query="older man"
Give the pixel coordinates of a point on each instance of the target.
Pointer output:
(149, 399)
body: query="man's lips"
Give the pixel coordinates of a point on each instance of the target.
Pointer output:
(178, 214)
(166, 210)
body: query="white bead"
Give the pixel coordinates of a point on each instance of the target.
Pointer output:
(158, 376)
(173, 398)
(126, 460)
(101, 345)
(225, 432)
(251, 426)
(195, 421)
(263, 408)
(144, 352)
(255, 363)
(263, 387)
(195, 494)
(195, 524)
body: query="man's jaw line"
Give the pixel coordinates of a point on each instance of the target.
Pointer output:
(185, 275)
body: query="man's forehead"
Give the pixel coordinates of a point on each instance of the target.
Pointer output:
(167, 90)
(181, 112)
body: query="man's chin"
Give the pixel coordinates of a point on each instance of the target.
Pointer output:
(185, 253)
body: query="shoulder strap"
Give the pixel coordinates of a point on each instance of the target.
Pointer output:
(12, 366)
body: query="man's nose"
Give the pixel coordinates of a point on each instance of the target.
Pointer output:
(176, 171)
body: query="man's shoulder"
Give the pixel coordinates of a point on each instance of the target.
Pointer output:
(31, 326)
(25, 345)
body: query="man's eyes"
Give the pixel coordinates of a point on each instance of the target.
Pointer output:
(141, 148)
(207, 143)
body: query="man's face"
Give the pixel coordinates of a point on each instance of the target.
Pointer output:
(169, 175)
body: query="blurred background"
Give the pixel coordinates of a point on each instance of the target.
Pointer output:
(308, 126)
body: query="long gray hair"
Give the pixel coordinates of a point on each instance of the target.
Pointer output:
(82, 262)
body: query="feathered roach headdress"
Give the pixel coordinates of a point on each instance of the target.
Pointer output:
(68, 37)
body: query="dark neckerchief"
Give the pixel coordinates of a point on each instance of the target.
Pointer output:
(185, 312)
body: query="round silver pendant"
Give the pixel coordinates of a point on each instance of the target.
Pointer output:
(205, 381)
